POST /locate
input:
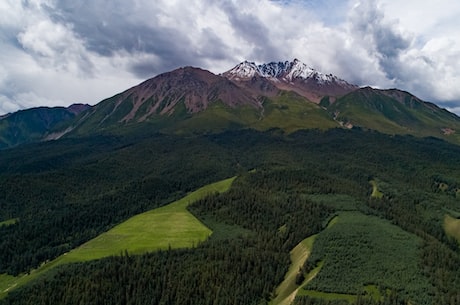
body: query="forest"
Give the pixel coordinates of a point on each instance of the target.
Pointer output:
(289, 187)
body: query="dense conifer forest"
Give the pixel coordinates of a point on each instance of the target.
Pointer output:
(289, 187)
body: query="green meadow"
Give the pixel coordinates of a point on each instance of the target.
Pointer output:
(452, 227)
(287, 290)
(8, 222)
(171, 226)
(376, 193)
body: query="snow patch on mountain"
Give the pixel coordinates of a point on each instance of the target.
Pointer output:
(244, 70)
(286, 71)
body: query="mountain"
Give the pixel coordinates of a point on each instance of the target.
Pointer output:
(395, 112)
(274, 95)
(34, 124)
(195, 99)
(292, 76)
(166, 98)
(287, 95)
(123, 208)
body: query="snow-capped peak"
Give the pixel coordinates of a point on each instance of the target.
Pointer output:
(288, 75)
(286, 71)
(298, 69)
(244, 70)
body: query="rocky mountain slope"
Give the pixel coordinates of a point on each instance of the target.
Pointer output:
(292, 76)
(172, 95)
(286, 95)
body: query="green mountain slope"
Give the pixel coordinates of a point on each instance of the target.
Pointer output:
(395, 112)
(34, 124)
(167, 227)
(195, 101)
(287, 111)
(164, 100)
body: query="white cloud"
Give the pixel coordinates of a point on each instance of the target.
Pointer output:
(55, 46)
(65, 51)
(7, 106)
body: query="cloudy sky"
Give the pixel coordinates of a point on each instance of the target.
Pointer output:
(59, 52)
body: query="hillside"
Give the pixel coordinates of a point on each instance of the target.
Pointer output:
(341, 195)
(34, 124)
(164, 100)
(288, 95)
(395, 112)
(80, 188)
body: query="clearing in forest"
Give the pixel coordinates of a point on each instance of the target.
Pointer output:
(171, 226)
(361, 251)
(376, 193)
(287, 290)
(452, 227)
(8, 222)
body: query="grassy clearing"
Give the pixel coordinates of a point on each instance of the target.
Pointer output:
(287, 290)
(6, 281)
(452, 227)
(374, 292)
(9, 222)
(376, 193)
(345, 249)
(443, 186)
(171, 226)
(9, 282)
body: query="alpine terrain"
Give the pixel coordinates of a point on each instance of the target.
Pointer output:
(267, 184)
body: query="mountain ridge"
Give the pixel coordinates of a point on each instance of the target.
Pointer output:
(288, 95)
(33, 124)
(292, 75)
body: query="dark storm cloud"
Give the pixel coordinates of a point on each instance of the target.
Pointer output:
(249, 27)
(96, 48)
(102, 26)
(116, 26)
